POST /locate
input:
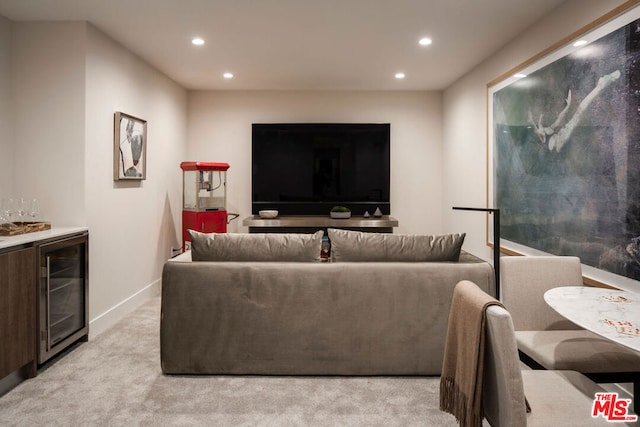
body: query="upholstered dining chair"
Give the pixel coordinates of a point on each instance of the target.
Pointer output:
(481, 346)
(545, 339)
(558, 398)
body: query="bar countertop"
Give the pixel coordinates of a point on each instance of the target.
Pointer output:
(26, 238)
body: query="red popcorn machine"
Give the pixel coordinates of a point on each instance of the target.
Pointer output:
(204, 198)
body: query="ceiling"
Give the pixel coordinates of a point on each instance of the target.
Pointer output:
(301, 44)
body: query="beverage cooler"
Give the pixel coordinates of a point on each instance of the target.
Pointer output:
(63, 309)
(204, 198)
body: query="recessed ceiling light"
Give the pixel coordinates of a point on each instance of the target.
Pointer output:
(425, 41)
(228, 75)
(519, 75)
(197, 41)
(580, 43)
(400, 76)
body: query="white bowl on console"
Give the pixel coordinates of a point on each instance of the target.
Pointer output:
(340, 215)
(269, 213)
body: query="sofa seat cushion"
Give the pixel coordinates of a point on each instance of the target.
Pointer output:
(577, 350)
(256, 247)
(357, 246)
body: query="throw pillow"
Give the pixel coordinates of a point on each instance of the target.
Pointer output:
(255, 247)
(358, 246)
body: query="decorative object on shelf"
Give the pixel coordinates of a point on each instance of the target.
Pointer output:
(13, 229)
(562, 158)
(33, 209)
(7, 209)
(268, 213)
(19, 208)
(377, 213)
(130, 148)
(366, 214)
(340, 212)
(5, 215)
(6, 226)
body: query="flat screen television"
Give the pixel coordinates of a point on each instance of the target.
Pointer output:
(308, 168)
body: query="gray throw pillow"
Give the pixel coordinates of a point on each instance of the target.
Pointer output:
(255, 247)
(365, 247)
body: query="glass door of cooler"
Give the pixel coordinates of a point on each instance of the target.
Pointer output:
(62, 298)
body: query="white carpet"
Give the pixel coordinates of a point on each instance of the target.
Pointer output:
(115, 380)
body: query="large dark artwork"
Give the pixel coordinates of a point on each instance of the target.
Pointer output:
(565, 152)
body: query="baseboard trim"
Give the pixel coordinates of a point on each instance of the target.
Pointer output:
(110, 317)
(11, 381)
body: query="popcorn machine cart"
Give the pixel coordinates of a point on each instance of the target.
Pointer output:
(204, 198)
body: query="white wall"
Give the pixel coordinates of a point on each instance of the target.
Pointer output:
(464, 110)
(67, 79)
(132, 225)
(6, 122)
(48, 120)
(220, 130)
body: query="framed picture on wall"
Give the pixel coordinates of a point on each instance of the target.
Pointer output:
(130, 147)
(564, 150)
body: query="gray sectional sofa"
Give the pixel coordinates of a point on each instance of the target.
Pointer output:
(293, 316)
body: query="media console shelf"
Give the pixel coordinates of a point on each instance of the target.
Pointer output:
(310, 224)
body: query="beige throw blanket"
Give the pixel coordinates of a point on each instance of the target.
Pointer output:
(462, 368)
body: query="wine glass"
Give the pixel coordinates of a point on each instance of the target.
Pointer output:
(34, 209)
(7, 208)
(20, 208)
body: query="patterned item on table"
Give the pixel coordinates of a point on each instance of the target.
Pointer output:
(623, 326)
(615, 298)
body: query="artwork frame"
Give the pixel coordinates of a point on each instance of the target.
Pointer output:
(129, 148)
(562, 141)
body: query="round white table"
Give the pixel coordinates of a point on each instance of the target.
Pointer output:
(610, 313)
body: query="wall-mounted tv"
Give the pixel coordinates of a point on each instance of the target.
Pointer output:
(307, 168)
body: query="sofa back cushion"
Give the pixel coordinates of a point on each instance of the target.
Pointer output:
(255, 247)
(365, 247)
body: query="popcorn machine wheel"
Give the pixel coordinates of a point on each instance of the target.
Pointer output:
(204, 198)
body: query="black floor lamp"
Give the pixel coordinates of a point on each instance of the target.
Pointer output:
(496, 241)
